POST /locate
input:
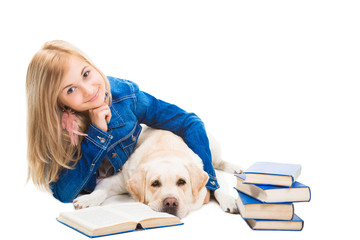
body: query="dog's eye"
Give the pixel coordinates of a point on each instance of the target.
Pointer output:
(181, 182)
(156, 183)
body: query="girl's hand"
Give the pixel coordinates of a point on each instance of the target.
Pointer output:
(101, 116)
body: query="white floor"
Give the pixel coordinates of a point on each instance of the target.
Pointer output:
(34, 213)
(273, 80)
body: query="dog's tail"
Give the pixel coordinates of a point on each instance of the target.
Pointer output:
(227, 167)
(217, 160)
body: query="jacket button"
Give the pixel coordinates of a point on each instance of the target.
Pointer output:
(212, 182)
(113, 155)
(102, 140)
(133, 138)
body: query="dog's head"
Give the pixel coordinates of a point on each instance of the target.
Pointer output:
(169, 184)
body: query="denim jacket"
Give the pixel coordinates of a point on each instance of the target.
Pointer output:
(130, 107)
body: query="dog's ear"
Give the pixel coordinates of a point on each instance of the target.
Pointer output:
(198, 178)
(136, 185)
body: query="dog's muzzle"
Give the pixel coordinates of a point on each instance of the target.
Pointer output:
(170, 205)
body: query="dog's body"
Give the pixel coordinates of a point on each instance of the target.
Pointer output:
(164, 173)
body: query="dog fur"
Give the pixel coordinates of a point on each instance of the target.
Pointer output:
(164, 173)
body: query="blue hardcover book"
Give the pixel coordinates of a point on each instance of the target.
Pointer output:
(295, 224)
(298, 192)
(271, 173)
(251, 208)
(114, 219)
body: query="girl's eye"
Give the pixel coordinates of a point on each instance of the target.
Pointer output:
(70, 90)
(86, 74)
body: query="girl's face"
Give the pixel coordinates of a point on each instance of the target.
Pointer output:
(83, 87)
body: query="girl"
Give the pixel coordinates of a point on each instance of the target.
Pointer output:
(82, 125)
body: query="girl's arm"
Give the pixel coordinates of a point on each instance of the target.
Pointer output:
(159, 114)
(72, 181)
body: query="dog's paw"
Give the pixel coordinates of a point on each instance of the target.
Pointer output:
(226, 202)
(234, 168)
(89, 200)
(228, 205)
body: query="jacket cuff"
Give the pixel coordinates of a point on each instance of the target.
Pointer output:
(212, 183)
(98, 137)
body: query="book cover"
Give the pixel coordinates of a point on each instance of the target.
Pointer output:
(137, 228)
(297, 192)
(295, 224)
(114, 219)
(272, 173)
(251, 208)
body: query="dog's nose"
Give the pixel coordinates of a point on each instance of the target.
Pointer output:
(170, 205)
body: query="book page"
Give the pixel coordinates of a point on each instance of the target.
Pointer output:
(95, 217)
(137, 211)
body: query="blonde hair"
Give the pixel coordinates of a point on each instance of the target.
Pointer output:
(49, 148)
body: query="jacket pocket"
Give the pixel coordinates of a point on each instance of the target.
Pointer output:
(129, 143)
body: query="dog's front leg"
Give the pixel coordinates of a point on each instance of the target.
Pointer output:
(106, 188)
(226, 202)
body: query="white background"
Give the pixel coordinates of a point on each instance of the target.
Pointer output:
(273, 81)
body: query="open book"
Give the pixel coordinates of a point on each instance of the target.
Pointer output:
(117, 218)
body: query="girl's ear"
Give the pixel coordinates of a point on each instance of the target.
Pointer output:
(61, 106)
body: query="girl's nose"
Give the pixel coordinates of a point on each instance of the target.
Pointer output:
(88, 90)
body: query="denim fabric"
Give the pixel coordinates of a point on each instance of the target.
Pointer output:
(130, 107)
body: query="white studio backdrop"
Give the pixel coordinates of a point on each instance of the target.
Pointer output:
(272, 80)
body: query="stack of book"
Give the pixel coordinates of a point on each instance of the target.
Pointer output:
(267, 192)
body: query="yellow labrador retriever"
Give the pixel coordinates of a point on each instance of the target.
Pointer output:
(164, 173)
